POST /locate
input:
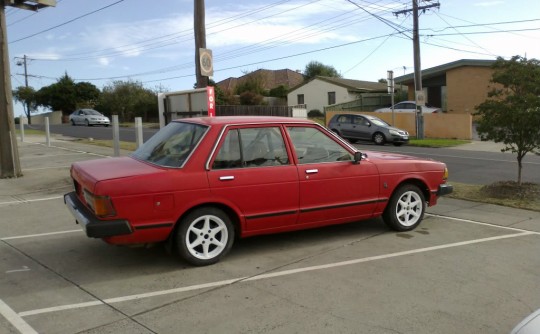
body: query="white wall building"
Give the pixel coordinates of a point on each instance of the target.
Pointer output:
(321, 92)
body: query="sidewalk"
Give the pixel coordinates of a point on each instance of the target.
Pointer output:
(46, 177)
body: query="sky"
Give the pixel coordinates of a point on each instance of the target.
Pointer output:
(152, 42)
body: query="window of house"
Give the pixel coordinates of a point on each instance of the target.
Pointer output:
(300, 98)
(331, 97)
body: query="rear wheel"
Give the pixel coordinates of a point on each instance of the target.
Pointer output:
(378, 138)
(406, 208)
(204, 236)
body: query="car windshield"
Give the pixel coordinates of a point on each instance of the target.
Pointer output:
(92, 112)
(378, 122)
(172, 145)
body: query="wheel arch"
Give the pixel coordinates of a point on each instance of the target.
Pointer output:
(417, 182)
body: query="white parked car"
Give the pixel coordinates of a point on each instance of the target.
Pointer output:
(409, 106)
(88, 117)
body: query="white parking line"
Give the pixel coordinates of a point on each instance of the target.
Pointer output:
(15, 319)
(269, 275)
(23, 201)
(481, 223)
(40, 235)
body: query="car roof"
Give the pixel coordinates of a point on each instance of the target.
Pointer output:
(239, 120)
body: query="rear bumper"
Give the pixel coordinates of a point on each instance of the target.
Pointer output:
(94, 227)
(445, 189)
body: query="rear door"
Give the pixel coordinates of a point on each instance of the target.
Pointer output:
(332, 188)
(252, 170)
(361, 127)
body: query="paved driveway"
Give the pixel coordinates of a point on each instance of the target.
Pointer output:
(468, 268)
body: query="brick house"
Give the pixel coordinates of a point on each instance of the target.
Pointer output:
(457, 87)
(271, 79)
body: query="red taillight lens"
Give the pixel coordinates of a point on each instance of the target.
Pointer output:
(101, 205)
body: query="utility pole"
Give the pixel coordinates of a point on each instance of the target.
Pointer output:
(200, 40)
(419, 95)
(9, 154)
(10, 165)
(27, 105)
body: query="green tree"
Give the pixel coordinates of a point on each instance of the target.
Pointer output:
(279, 91)
(67, 96)
(252, 89)
(27, 97)
(511, 114)
(315, 68)
(128, 99)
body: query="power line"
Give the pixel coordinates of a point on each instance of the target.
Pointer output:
(67, 22)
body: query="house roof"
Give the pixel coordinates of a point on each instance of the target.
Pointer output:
(271, 79)
(351, 85)
(442, 69)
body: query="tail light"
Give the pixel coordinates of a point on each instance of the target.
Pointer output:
(101, 205)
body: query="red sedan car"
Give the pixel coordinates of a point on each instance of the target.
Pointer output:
(201, 182)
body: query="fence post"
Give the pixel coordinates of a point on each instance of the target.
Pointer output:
(138, 131)
(116, 135)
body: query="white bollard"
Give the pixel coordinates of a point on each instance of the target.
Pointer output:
(138, 131)
(22, 121)
(116, 135)
(47, 132)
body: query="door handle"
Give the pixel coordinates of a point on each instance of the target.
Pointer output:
(226, 178)
(311, 171)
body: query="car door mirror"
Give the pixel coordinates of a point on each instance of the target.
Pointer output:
(357, 158)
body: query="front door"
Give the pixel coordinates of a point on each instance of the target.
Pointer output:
(332, 188)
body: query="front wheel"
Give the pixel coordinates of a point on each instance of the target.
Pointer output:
(379, 139)
(204, 236)
(406, 208)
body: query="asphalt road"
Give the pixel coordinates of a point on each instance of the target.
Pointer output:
(471, 167)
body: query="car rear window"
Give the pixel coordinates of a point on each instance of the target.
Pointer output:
(172, 145)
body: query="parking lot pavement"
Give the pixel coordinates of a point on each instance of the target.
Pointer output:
(468, 268)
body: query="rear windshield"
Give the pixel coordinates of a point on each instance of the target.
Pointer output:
(172, 145)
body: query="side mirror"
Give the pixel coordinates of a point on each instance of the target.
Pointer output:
(357, 158)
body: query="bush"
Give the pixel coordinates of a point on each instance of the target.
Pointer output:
(314, 113)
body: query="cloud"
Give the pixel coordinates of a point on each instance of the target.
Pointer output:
(488, 3)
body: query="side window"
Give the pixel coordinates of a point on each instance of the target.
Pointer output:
(252, 147)
(229, 153)
(314, 146)
(263, 147)
(344, 119)
(360, 120)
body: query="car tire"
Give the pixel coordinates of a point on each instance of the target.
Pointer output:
(87, 123)
(204, 236)
(72, 122)
(405, 209)
(378, 138)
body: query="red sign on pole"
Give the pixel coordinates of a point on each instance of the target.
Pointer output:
(211, 101)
